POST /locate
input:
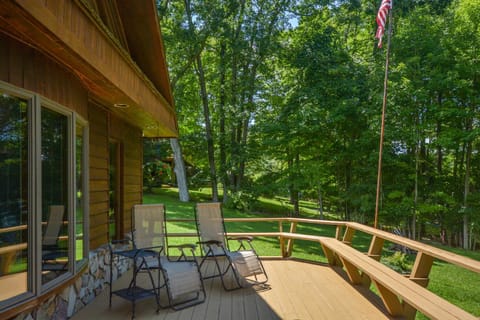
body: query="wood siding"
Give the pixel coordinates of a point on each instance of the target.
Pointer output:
(29, 69)
(103, 127)
(99, 176)
(132, 145)
(77, 38)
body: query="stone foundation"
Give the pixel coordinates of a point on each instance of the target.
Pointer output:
(83, 291)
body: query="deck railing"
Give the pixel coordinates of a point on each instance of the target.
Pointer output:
(345, 232)
(287, 233)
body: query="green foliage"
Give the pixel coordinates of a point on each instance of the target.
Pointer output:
(295, 90)
(156, 173)
(241, 200)
(398, 261)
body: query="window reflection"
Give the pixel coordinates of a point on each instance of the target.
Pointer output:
(54, 157)
(13, 196)
(39, 187)
(79, 196)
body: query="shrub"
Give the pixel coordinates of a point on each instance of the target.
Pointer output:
(155, 173)
(398, 262)
(241, 200)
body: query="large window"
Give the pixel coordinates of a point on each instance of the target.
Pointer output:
(42, 194)
(14, 198)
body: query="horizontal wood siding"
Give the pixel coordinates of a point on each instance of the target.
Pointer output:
(131, 140)
(29, 69)
(99, 199)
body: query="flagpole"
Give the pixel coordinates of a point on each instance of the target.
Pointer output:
(382, 128)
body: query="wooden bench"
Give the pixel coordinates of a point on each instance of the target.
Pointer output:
(401, 296)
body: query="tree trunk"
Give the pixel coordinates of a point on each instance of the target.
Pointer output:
(296, 191)
(466, 229)
(208, 129)
(415, 195)
(180, 172)
(320, 201)
(206, 110)
(221, 115)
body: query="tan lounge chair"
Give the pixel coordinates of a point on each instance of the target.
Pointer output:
(244, 263)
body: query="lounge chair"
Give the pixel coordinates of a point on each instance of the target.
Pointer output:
(181, 278)
(244, 263)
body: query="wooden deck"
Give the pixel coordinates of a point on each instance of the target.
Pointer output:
(297, 290)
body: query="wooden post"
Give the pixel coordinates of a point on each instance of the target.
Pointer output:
(282, 240)
(421, 269)
(338, 232)
(376, 247)
(348, 236)
(293, 228)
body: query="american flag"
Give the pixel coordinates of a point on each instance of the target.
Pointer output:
(381, 19)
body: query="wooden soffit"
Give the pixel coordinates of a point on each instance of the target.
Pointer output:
(71, 33)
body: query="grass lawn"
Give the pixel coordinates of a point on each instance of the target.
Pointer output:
(455, 284)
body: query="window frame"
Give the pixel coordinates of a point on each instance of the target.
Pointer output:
(70, 139)
(35, 103)
(31, 101)
(77, 119)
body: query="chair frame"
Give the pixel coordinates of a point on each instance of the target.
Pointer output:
(208, 250)
(162, 251)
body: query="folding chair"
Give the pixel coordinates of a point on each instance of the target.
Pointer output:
(181, 278)
(246, 266)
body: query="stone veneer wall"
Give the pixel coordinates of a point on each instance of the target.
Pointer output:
(90, 284)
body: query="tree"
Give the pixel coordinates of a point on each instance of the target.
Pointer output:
(180, 171)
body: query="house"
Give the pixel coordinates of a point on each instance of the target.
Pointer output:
(81, 83)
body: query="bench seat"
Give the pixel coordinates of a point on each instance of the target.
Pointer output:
(398, 293)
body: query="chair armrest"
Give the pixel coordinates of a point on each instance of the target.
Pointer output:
(124, 241)
(157, 249)
(239, 238)
(210, 242)
(184, 246)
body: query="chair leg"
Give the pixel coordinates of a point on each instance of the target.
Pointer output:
(222, 273)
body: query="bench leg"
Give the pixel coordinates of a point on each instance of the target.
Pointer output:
(352, 272)
(331, 256)
(409, 312)
(390, 300)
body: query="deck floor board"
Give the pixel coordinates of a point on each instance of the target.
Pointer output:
(297, 290)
